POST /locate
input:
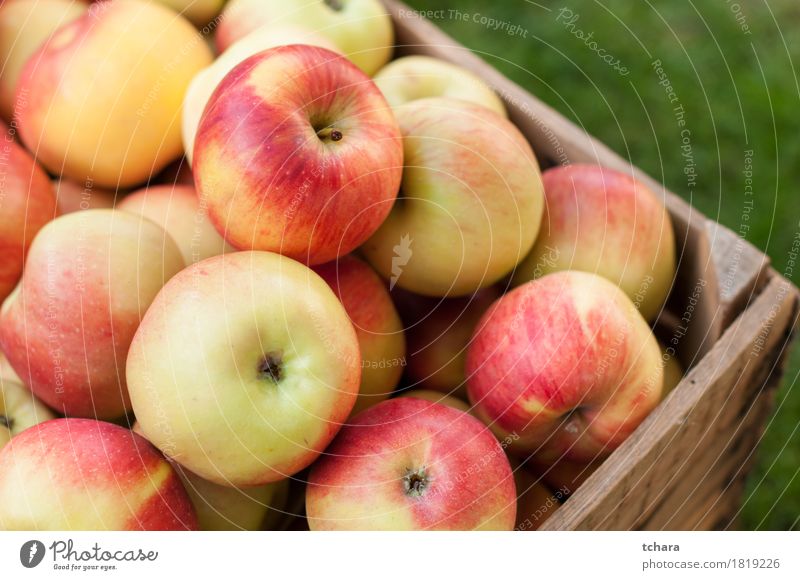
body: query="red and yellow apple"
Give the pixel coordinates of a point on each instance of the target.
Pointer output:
(298, 153)
(567, 364)
(471, 201)
(437, 397)
(206, 81)
(66, 328)
(24, 26)
(71, 196)
(101, 100)
(19, 409)
(419, 77)
(27, 203)
(410, 464)
(362, 29)
(244, 368)
(378, 326)
(177, 209)
(82, 474)
(605, 222)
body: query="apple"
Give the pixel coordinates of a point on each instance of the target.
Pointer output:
(82, 474)
(471, 201)
(19, 409)
(438, 341)
(67, 326)
(535, 502)
(27, 203)
(566, 364)
(378, 326)
(244, 368)
(362, 29)
(418, 77)
(204, 83)
(24, 26)
(312, 166)
(198, 12)
(605, 222)
(101, 100)
(437, 397)
(177, 209)
(7, 371)
(71, 196)
(410, 464)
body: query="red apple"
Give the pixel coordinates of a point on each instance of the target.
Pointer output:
(27, 203)
(177, 209)
(82, 474)
(566, 364)
(437, 397)
(298, 153)
(409, 464)
(366, 299)
(66, 328)
(602, 221)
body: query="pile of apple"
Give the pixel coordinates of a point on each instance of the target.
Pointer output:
(363, 299)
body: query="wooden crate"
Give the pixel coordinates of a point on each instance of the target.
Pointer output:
(684, 467)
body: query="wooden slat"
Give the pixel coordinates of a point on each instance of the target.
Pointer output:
(630, 481)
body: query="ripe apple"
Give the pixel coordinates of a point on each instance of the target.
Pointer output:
(102, 98)
(567, 364)
(470, 205)
(71, 196)
(437, 397)
(313, 166)
(82, 474)
(24, 26)
(207, 80)
(198, 12)
(177, 209)
(19, 409)
(418, 77)
(378, 326)
(362, 29)
(244, 368)
(423, 466)
(438, 340)
(605, 222)
(27, 203)
(7, 371)
(67, 326)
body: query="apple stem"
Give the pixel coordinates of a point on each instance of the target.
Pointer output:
(415, 482)
(329, 133)
(270, 367)
(6, 421)
(334, 4)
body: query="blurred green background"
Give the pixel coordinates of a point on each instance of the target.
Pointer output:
(731, 66)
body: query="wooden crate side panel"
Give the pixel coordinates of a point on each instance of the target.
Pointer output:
(632, 481)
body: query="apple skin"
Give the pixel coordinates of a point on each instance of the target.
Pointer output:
(127, 65)
(26, 205)
(24, 26)
(567, 364)
(72, 197)
(378, 326)
(198, 12)
(198, 368)
(471, 201)
(438, 340)
(365, 480)
(82, 474)
(605, 222)
(67, 327)
(271, 182)
(19, 409)
(410, 78)
(362, 29)
(177, 209)
(437, 397)
(206, 81)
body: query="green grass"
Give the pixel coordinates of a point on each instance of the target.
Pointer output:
(740, 92)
